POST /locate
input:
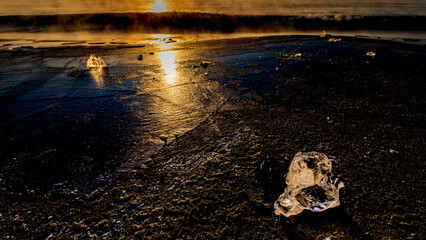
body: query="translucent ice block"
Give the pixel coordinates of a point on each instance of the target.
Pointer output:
(96, 62)
(310, 185)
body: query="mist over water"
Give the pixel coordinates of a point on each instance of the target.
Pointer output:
(241, 7)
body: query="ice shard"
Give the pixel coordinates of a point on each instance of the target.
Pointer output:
(95, 62)
(370, 54)
(310, 185)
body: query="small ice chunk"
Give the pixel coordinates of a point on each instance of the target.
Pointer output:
(297, 55)
(310, 185)
(393, 151)
(371, 54)
(288, 56)
(96, 62)
(205, 64)
(170, 40)
(334, 39)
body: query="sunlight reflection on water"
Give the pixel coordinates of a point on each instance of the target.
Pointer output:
(167, 57)
(171, 106)
(97, 75)
(168, 63)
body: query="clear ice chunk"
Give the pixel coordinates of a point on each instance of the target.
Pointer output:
(334, 39)
(310, 185)
(96, 62)
(371, 54)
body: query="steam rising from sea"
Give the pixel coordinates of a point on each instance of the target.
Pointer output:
(23, 17)
(176, 22)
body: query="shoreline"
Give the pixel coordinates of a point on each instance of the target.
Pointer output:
(16, 41)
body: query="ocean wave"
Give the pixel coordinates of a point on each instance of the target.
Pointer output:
(177, 22)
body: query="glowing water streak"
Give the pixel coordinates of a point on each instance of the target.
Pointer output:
(97, 67)
(167, 57)
(168, 63)
(98, 75)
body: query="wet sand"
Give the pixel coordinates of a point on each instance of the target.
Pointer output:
(163, 148)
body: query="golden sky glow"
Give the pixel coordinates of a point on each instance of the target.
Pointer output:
(258, 7)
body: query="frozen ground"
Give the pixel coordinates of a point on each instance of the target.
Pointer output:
(166, 147)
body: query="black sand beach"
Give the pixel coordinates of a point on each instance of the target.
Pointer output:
(168, 148)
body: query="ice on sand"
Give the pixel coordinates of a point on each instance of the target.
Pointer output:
(323, 34)
(96, 62)
(334, 39)
(371, 54)
(310, 185)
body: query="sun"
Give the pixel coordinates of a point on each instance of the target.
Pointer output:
(158, 7)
